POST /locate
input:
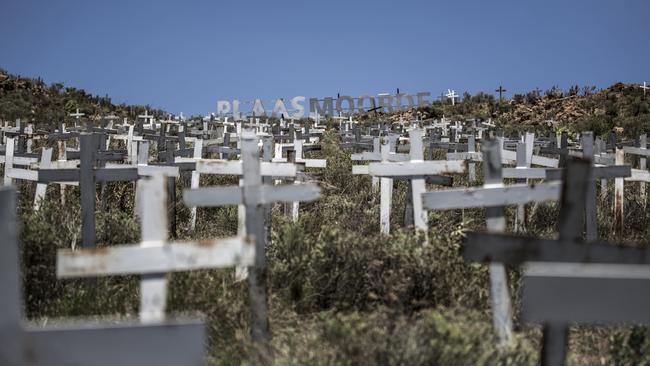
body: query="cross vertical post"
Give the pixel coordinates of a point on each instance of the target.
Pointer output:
(575, 195)
(501, 91)
(41, 188)
(590, 199)
(386, 193)
(619, 189)
(87, 146)
(153, 287)
(9, 160)
(471, 166)
(171, 189)
(496, 223)
(418, 184)
(255, 226)
(162, 344)
(643, 144)
(196, 178)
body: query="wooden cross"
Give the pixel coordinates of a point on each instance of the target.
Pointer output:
(456, 130)
(41, 188)
(560, 149)
(146, 118)
(77, 114)
(357, 141)
(297, 158)
(235, 167)
(169, 343)
(493, 196)
(154, 256)
(507, 156)
(254, 195)
(88, 176)
(641, 174)
(561, 292)
(376, 155)
(501, 91)
(9, 159)
(316, 117)
(524, 160)
(196, 178)
(618, 171)
(470, 156)
(415, 170)
(529, 139)
(451, 94)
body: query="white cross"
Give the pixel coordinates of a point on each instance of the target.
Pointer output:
(415, 169)
(146, 116)
(169, 343)
(154, 256)
(451, 94)
(232, 167)
(77, 114)
(254, 196)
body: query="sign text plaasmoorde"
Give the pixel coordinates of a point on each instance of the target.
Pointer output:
(328, 106)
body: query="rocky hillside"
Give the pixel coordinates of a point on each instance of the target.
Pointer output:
(620, 107)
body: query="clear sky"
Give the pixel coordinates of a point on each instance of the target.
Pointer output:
(186, 55)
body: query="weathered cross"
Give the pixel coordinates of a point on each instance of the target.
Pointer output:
(297, 158)
(415, 169)
(618, 171)
(560, 148)
(451, 94)
(641, 174)
(584, 283)
(470, 156)
(254, 195)
(170, 343)
(376, 155)
(154, 256)
(235, 167)
(87, 176)
(493, 196)
(146, 118)
(77, 114)
(9, 160)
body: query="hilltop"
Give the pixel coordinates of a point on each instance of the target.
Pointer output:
(620, 106)
(33, 100)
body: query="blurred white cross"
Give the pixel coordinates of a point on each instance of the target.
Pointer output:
(451, 94)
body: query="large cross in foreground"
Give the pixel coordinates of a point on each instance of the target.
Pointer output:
(170, 343)
(254, 195)
(570, 281)
(154, 256)
(494, 196)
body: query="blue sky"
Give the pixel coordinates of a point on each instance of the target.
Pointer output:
(186, 55)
